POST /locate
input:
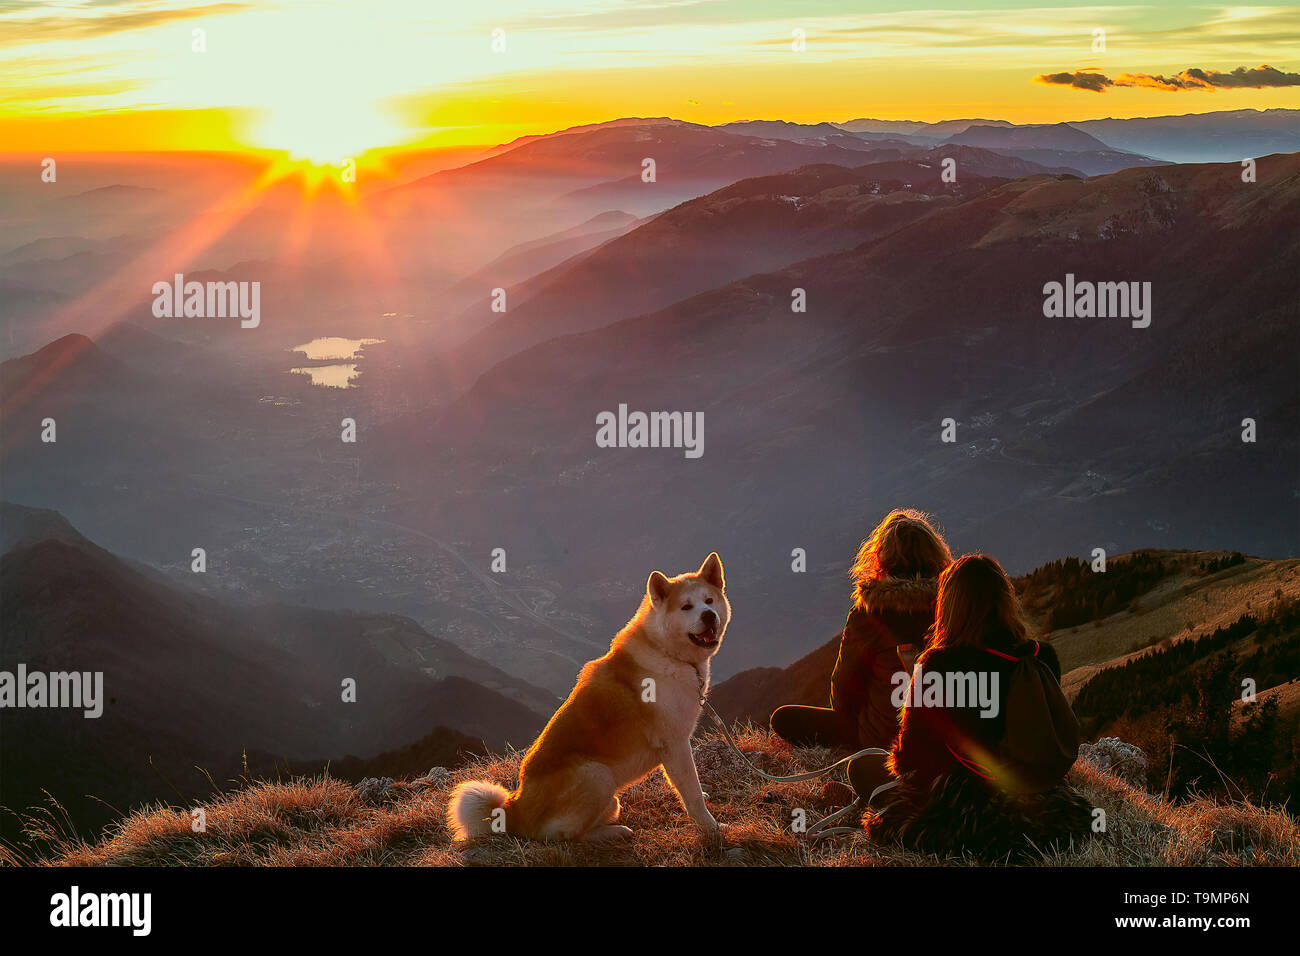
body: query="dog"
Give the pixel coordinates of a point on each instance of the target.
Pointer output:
(631, 711)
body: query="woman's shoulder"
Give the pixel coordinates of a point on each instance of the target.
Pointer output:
(863, 628)
(1044, 652)
(1047, 653)
(962, 658)
(1029, 647)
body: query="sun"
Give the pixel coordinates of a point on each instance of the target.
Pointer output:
(323, 140)
(325, 130)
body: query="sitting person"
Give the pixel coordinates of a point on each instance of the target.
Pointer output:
(987, 735)
(895, 580)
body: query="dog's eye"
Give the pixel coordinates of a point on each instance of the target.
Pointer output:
(708, 600)
(687, 607)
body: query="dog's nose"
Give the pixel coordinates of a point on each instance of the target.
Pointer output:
(709, 618)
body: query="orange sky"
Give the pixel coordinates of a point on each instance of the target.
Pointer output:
(332, 78)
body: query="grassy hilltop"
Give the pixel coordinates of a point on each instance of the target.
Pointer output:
(323, 821)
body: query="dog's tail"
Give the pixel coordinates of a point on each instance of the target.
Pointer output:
(470, 809)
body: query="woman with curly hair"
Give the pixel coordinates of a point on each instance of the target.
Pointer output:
(895, 580)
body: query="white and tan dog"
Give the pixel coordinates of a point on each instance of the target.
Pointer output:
(631, 711)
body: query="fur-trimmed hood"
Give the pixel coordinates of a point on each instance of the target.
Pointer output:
(906, 595)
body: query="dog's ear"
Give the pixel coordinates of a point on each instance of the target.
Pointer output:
(711, 571)
(656, 586)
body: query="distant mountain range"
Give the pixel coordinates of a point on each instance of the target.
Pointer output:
(1058, 144)
(754, 225)
(1222, 136)
(601, 168)
(104, 231)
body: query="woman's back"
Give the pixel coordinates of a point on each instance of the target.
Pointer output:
(963, 733)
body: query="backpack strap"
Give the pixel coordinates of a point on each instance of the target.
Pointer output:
(1010, 657)
(974, 766)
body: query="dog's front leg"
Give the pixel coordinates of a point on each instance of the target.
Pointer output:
(679, 765)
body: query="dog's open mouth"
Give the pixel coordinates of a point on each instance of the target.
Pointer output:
(706, 638)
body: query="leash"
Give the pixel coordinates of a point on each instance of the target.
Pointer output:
(816, 831)
(791, 778)
(818, 828)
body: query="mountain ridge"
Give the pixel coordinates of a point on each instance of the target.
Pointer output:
(190, 680)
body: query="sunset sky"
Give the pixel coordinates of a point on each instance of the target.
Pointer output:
(327, 78)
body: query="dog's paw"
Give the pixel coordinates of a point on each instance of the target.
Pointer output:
(712, 828)
(610, 831)
(719, 837)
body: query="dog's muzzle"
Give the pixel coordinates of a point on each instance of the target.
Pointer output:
(709, 636)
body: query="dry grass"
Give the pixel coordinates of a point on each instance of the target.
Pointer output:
(323, 822)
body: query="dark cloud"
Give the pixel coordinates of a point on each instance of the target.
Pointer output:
(1081, 80)
(1258, 78)
(1261, 77)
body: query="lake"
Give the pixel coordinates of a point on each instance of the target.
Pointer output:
(332, 348)
(330, 376)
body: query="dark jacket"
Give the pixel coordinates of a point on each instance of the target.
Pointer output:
(887, 612)
(952, 794)
(933, 742)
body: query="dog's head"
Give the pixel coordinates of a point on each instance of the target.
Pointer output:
(689, 613)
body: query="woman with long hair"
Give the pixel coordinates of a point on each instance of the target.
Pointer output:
(987, 736)
(895, 581)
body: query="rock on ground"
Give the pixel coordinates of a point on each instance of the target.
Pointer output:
(1124, 760)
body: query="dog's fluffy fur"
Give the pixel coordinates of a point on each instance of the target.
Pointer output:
(631, 711)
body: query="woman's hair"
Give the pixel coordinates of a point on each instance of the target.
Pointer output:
(977, 604)
(904, 545)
